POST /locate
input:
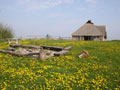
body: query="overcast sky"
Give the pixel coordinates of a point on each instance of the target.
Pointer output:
(59, 17)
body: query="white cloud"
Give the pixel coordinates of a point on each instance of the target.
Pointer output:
(68, 1)
(91, 1)
(34, 5)
(81, 9)
(23, 1)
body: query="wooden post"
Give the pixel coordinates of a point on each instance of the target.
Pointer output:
(42, 54)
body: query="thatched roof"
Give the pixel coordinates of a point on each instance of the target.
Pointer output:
(89, 29)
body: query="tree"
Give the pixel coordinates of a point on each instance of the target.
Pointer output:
(48, 36)
(5, 32)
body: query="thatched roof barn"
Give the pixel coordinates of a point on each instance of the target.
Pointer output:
(89, 31)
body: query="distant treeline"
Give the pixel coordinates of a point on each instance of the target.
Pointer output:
(5, 32)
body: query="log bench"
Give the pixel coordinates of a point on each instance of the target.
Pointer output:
(56, 51)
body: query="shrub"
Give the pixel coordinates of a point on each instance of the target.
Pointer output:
(5, 32)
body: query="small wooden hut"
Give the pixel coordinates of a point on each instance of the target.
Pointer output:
(89, 31)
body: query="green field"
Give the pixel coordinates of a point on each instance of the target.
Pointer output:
(99, 71)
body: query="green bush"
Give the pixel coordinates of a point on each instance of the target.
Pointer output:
(5, 32)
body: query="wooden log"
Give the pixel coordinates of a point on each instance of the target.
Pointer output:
(10, 52)
(30, 46)
(61, 53)
(24, 46)
(53, 48)
(68, 48)
(18, 54)
(16, 45)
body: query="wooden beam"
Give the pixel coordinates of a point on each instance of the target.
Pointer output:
(18, 54)
(53, 48)
(68, 48)
(61, 53)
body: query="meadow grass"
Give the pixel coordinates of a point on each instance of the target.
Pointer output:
(99, 71)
